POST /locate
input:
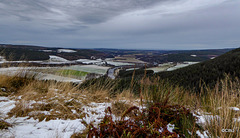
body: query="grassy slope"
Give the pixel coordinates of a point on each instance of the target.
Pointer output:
(170, 108)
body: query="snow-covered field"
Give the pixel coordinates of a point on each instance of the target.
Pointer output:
(181, 65)
(66, 51)
(170, 66)
(89, 61)
(52, 60)
(21, 71)
(56, 59)
(161, 67)
(44, 76)
(48, 76)
(118, 63)
(2, 59)
(109, 61)
(158, 69)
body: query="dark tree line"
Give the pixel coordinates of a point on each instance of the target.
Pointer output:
(16, 54)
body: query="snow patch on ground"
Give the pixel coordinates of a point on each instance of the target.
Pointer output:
(95, 111)
(46, 50)
(204, 135)
(118, 63)
(6, 105)
(205, 117)
(89, 61)
(170, 127)
(102, 62)
(30, 128)
(2, 58)
(234, 108)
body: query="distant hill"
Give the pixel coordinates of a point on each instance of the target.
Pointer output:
(30, 47)
(163, 56)
(81, 54)
(28, 53)
(16, 53)
(183, 55)
(208, 71)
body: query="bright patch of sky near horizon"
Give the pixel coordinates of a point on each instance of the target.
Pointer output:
(134, 24)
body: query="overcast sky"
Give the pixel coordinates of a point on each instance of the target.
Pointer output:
(132, 24)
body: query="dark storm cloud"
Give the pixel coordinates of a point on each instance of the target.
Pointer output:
(162, 24)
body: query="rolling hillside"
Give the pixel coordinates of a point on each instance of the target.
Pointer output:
(29, 53)
(17, 54)
(208, 72)
(189, 77)
(163, 56)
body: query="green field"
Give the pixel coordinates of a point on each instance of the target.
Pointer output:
(68, 72)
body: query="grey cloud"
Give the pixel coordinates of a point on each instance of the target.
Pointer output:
(120, 24)
(83, 11)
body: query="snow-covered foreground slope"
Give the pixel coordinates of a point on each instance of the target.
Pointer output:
(23, 127)
(28, 127)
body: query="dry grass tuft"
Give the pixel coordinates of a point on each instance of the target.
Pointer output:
(83, 134)
(219, 103)
(215, 105)
(118, 107)
(11, 84)
(126, 95)
(96, 96)
(4, 124)
(157, 90)
(123, 101)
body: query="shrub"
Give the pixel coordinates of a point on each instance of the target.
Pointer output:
(151, 122)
